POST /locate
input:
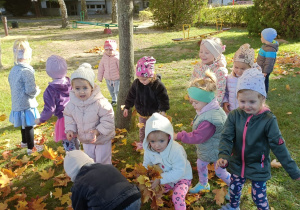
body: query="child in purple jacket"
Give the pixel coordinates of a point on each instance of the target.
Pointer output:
(56, 97)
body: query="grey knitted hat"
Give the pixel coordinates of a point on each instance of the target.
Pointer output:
(86, 72)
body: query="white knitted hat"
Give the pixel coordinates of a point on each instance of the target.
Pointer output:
(252, 79)
(86, 72)
(73, 162)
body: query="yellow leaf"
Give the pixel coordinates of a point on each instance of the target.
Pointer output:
(221, 183)
(3, 205)
(21, 205)
(3, 117)
(140, 125)
(273, 89)
(289, 113)
(186, 97)
(49, 153)
(122, 107)
(275, 164)
(66, 198)
(124, 141)
(4, 180)
(219, 195)
(25, 159)
(45, 175)
(57, 193)
(61, 150)
(287, 87)
(179, 125)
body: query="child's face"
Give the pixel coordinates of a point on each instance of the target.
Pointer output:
(239, 68)
(145, 80)
(198, 105)
(206, 56)
(250, 102)
(158, 141)
(82, 88)
(109, 52)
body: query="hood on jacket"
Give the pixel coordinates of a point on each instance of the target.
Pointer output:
(157, 122)
(62, 85)
(274, 45)
(73, 162)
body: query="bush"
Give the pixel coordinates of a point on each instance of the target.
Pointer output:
(17, 7)
(281, 15)
(145, 15)
(176, 12)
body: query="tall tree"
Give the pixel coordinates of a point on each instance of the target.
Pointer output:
(114, 14)
(84, 9)
(64, 14)
(125, 22)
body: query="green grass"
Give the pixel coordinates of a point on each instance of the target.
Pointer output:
(174, 64)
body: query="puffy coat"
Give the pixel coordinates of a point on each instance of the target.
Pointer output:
(267, 56)
(109, 68)
(94, 113)
(230, 94)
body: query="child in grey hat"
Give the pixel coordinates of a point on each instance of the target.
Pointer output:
(99, 186)
(89, 116)
(250, 133)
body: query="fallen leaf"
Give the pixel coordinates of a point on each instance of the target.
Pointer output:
(66, 198)
(140, 125)
(179, 125)
(57, 193)
(45, 175)
(275, 164)
(4, 180)
(3, 117)
(219, 195)
(287, 87)
(122, 107)
(49, 153)
(289, 113)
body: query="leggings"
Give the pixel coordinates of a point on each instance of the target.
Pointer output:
(180, 190)
(259, 192)
(28, 136)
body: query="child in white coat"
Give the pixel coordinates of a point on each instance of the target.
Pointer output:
(90, 116)
(162, 150)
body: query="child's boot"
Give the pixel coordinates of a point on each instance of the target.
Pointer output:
(199, 187)
(227, 196)
(228, 207)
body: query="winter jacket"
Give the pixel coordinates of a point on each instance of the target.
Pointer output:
(267, 56)
(99, 186)
(246, 143)
(94, 113)
(109, 67)
(220, 72)
(148, 99)
(23, 88)
(208, 151)
(230, 93)
(173, 160)
(56, 97)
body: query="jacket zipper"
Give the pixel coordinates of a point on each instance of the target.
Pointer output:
(244, 145)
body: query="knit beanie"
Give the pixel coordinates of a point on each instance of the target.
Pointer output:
(145, 67)
(252, 79)
(269, 34)
(245, 54)
(73, 162)
(110, 44)
(86, 72)
(214, 48)
(56, 67)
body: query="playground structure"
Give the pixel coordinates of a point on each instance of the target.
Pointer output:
(106, 25)
(186, 32)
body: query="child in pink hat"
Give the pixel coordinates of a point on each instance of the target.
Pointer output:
(109, 69)
(56, 97)
(147, 93)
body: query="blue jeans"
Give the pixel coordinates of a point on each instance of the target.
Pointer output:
(136, 205)
(113, 88)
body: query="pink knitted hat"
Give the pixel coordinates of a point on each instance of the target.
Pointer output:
(145, 67)
(110, 44)
(56, 67)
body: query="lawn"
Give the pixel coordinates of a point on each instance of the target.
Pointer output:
(27, 176)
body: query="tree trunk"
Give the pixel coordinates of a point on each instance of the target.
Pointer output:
(84, 9)
(64, 14)
(126, 63)
(114, 14)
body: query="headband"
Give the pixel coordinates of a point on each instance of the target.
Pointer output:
(201, 95)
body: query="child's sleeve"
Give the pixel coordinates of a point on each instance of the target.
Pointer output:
(221, 75)
(163, 98)
(106, 124)
(278, 147)
(147, 161)
(49, 107)
(29, 82)
(70, 124)
(129, 102)
(101, 70)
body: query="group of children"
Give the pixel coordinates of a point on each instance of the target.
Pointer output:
(233, 127)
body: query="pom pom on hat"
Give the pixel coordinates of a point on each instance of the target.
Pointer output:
(252, 79)
(110, 44)
(73, 162)
(86, 72)
(56, 67)
(145, 67)
(245, 54)
(269, 34)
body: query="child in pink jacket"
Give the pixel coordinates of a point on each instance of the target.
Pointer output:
(90, 116)
(109, 69)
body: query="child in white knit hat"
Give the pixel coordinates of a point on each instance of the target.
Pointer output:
(56, 97)
(250, 132)
(267, 54)
(212, 59)
(243, 59)
(89, 115)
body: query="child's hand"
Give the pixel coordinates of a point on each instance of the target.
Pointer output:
(96, 134)
(70, 135)
(37, 121)
(221, 163)
(125, 112)
(226, 107)
(38, 90)
(155, 183)
(175, 136)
